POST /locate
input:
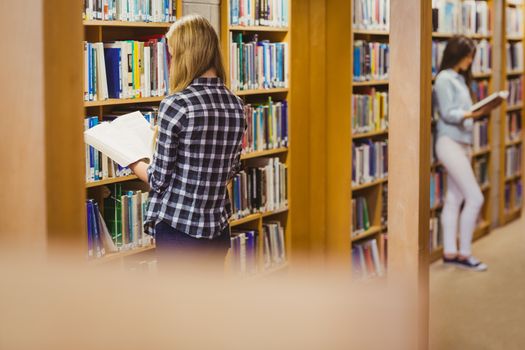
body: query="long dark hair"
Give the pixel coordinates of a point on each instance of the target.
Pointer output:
(459, 47)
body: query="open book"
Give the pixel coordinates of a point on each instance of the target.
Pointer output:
(493, 99)
(127, 139)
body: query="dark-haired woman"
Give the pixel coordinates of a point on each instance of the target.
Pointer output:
(453, 99)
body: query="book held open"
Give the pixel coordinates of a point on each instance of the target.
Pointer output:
(127, 139)
(494, 98)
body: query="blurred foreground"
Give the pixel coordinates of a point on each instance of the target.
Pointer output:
(66, 305)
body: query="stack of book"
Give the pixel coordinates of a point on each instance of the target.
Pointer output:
(481, 172)
(480, 134)
(368, 260)
(125, 69)
(512, 161)
(371, 60)
(130, 10)
(514, 21)
(260, 188)
(461, 16)
(257, 64)
(98, 165)
(438, 47)
(360, 216)
(518, 195)
(384, 208)
(480, 88)
(436, 239)
(506, 200)
(271, 13)
(369, 111)
(244, 251)
(372, 15)
(267, 126)
(437, 187)
(515, 89)
(369, 161)
(483, 60)
(514, 56)
(513, 126)
(274, 245)
(124, 213)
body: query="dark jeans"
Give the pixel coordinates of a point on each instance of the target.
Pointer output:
(173, 245)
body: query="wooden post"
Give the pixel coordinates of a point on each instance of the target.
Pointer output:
(42, 147)
(409, 152)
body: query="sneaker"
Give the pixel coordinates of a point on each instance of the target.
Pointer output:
(469, 264)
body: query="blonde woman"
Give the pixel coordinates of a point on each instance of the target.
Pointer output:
(198, 148)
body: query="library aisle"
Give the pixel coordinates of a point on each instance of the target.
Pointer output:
(482, 310)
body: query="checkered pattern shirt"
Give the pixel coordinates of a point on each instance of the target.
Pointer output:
(198, 152)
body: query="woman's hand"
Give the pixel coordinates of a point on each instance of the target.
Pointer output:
(479, 113)
(140, 168)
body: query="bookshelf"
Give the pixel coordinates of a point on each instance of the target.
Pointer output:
(107, 31)
(255, 221)
(483, 226)
(508, 207)
(346, 133)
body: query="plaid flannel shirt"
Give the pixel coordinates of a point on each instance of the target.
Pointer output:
(197, 153)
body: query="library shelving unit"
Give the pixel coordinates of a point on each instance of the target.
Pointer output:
(255, 221)
(107, 31)
(483, 226)
(508, 209)
(341, 188)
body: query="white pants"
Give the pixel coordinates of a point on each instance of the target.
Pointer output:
(461, 185)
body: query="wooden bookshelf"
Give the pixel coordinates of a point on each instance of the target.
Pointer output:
(486, 212)
(112, 180)
(341, 189)
(123, 101)
(96, 23)
(505, 216)
(107, 31)
(285, 154)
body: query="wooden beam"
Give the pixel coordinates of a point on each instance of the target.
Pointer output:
(64, 123)
(409, 154)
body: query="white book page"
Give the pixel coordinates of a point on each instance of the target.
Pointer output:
(127, 139)
(500, 94)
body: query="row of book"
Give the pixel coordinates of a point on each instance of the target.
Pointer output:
(515, 88)
(267, 126)
(257, 64)
(437, 187)
(121, 227)
(371, 60)
(360, 216)
(480, 134)
(260, 188)
(369, 161)
(369, 258)
(98, 165)
(513, 126)
(124, 213)
(371, 14)
(245, 247)
(271, 13)
(514, 56)
(481, 64)
(480, 89)
(481, 170)
(130, 10)
(514, 21)
(369, 111)
(126, 69)
(435, 233)
(513, 195)
(512, 161)
(461, 16)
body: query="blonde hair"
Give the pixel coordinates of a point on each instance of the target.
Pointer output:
(194, 48)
